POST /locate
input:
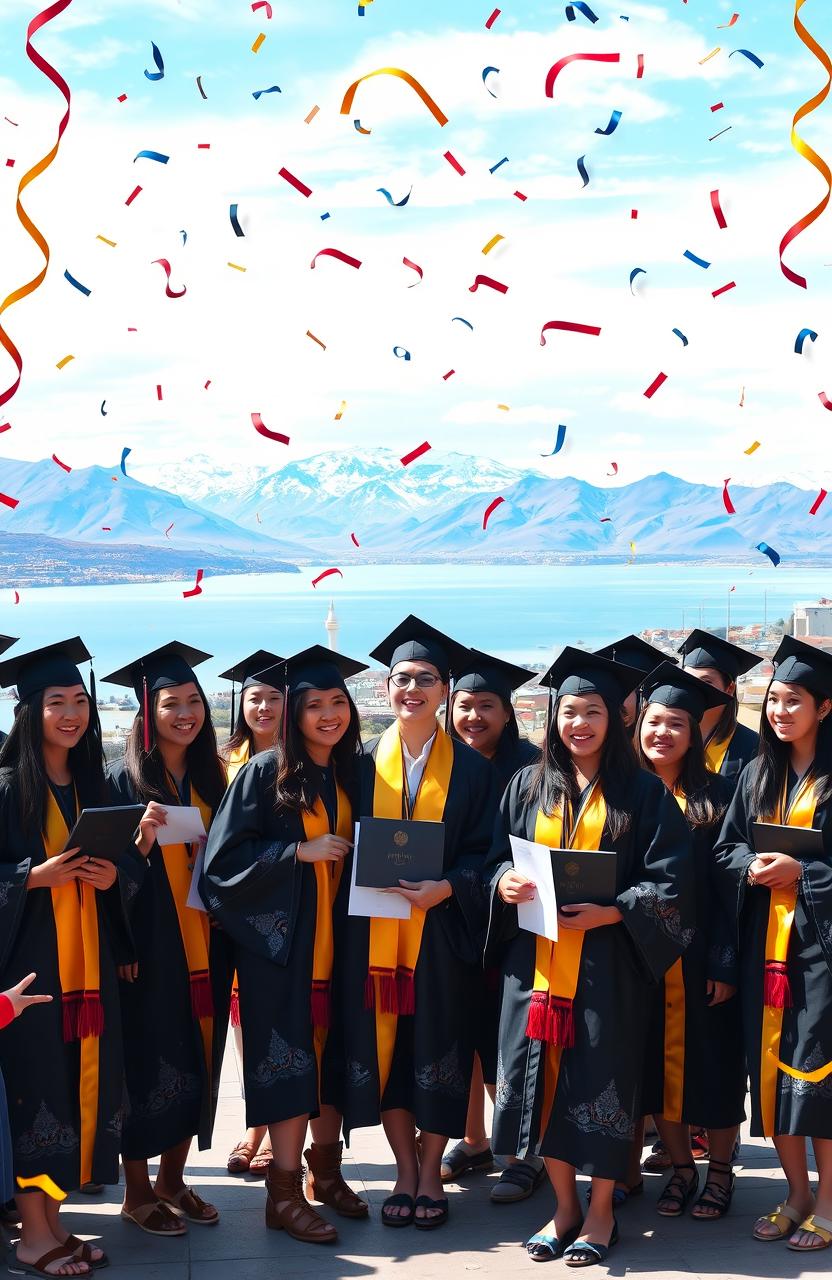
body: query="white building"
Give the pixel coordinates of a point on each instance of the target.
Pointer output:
(813, 619)
(332, 626)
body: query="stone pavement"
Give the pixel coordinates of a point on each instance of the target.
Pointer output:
(480, 1238)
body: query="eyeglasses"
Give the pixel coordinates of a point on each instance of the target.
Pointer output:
(424, 680)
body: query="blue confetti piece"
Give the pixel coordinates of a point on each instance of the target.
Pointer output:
(485, 73)
(401, 353)
(232, 213)
(258, 93)
(103, 410)
(397, 204)
(324, 216)
(124, 454)
(700, 262)
(583, 8)
(461, 319)
(496, 166)
(612, 126)
(752, 57)
(768, 551)
(801, 338)
(151, 155)
(635, 272)
(360, 129)
(76, 284)
(582, 171)
(160, 63)
(561, 436)
(184, 236)
(679, 334)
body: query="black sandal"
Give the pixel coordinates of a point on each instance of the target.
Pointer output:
(438, 1219)
(460, 1160)
(715, 1195)
(400, 1201)
(679, 1191)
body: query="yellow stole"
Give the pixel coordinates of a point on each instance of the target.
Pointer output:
(776, 993)
(716, 750)
(674, 1027)
(327, 878)
(395, 944)
(236, 759)
(76, 929)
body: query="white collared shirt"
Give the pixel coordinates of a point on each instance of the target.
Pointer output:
(415, 765)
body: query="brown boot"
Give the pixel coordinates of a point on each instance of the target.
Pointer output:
(325, 1182)
(287, 1209)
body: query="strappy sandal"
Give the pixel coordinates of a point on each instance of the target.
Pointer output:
(438, 1220)
(189, 1205)
(821, 1228)
(399, 1201)
(541, 1247)
(460, 1160)
(784, 1218)
(262, 1158)
(586, 1253)
(715, 1195)
(239, 1160)
(524, 1176)
(82, 1252)
(658, 1159)
(287, 1209)
(155, 1219)
(325, 1181)
(58, 1254)
(678, 1192)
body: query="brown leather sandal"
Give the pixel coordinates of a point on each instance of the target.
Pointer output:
(288, 1210)
(191, 1206)
(263, 1158)
(239, 1160)
(58, 1255)
(156, 1219)
(325, 1182)
(82, 1252)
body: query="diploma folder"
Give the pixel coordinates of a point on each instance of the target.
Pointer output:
(582, 875)
(105, 833)
(797, 842)
(390, 850)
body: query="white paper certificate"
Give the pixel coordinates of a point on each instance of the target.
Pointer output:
(374, 902)
(534, 861)
(184, 825)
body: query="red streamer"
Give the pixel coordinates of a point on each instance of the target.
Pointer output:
(17, 597)
(414, 266)
(449, 374)
(717, 208)
(614, 471)
(640, 72)
(355, 541)
(815, 507)
(490, 21)
(335, 253)
(555, 70)
(726, 498)
(654, 385)
(489, 510)
(170, 526)
(414, 454)
(165, 265)
(454, 163)
(132, 195)
(732, 284)
(196, 589)
(492, 284)
(295, 182)
(824, 399)
(261, 429)
(56, 459)
(9, 502)
(569, 326)
(327, 573)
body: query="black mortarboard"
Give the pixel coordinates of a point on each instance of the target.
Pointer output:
(313, 668)
(634, 652)
(416, 641)
(53, 664)
(6, 642)
(579, 673)
(701, 649)
(483, 673)
(162, 668)
(672, 686)
(247, 672)
(803, 664)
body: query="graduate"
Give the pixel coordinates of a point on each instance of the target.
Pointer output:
(254, 726)
(60, 916)
(729, 745)
(574, 1013)
(406, 990)
(175, 994)
(695, 1073)
(273, 866)
(6, 642)
(632, 651)
(483, 716)
(12, 1003)
(784, 905)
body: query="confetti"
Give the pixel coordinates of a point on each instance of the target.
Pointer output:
(583, 8)
(207, 385)
(636, 271)
(569, 326)
(582, 170)
(723, 26)
(124, 455)
(203, 146)
(717, 106)
(825, 400)
(752, 57)
(111, 243)
(308, 119)
(506, 407)
(9, 502)
(105, 528)
(768, 551)
(490, 21)
(489, 510)
(680, 335)
(62, 465)
(261, 429)
(654, 385)
(634, 214)
(196, 589)
(122, 97)
(232, 214)
(132, 195)
(700, 262)
(335, 253)
(726, 498)
(158, 391)
(752, 448)
(201, 90)
(311, 335)
(339, 415)
(184, 236)
(414, 454)
(327, 573)
(10, 164)
(486, 71)
(561, 436)
(454, 163)
(520, 196)
(401, 353)
(414, 266)
(170, 526)
(295, 182)
(355, 540)
(358, 128)
(151, 155)
(732, 284)
(61, 363)
(491, 243)
(5, 426)
(462, 320)
(449, 374)
(76, 284)
(615, 119)
(262, 4)
(801, 339)
(236, 266)
(397, 204)
(815, 507)
(17, 597)
(165, 265)
(717, 208)
(160, 64)
(742, 397)
(258, 43)
(714, 136)
(606, 520)
(489, 283)
(632, 549)
(640, 67)
(556, 68)
(710, 55)
(417, 88)
(275, 88)
(496, 166)
(614, 471)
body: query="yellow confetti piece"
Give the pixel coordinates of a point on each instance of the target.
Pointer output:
(65, 360)
(494, 240)
(44, 1183)
(752, 448)
(312, 114)
(632, 548)
(255, 48)
(710, 55)
(111, 243)
(340, 412)
(237, 266)
(503, 406)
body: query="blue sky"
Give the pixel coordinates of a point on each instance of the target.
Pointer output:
(567, 251)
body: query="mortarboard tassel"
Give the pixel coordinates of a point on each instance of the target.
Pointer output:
(233, 708)
(146, 715)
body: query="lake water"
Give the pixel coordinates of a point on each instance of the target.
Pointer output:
(521, 612)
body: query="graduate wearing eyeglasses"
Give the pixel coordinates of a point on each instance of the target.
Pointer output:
(407, 988)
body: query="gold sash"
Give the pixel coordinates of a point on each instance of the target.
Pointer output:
(716, 751)
(327, 878)
(236, 759)
(395, 944)
(674, 1027)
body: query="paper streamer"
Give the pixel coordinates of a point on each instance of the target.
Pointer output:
(9, 502)
(520, 196)
(556, 68)
(23, 291)
(801, 339)
(659, 379)
(825, 400)
(462, 320)
(354, 540)
(414, 266)
(261, 429)
(449, 374)
(569, 326)
(726, 498)
(76, 284)
(681, 336)
(717, 106)
(60, 365)
(815, 507)
(196, 589)
(203, 94)
(136, 191)
(295, 182)
(803, 148)
(397, 204)
(752, 448)
(414, 454)
(715, 293)
(401, 353)
(490, 21)
(717, 208)
(454, 163)
(235, 222)
(583, 8)
(151, 155)
(275, 88)
(768, 551)
(262, 4)
(489, 510)
(62, 465)
(111, 243)
(124, 455)
(165, 265)
(17, 601)
(327, 573)
(311, 335)
(160, 64)
(255, 48)
(487, 282)
(335, 253)
(752, 57)
(710, 55)
(349, 96)
(582, 170)
(308, 119)
(561, 436)
(486, 71)
(636, 271)
(615, 119)
(723, 26)
(491, 243)
(614, 471)
(640, 67)
(358, 128)
(700, 262)
(496, 166)
(170, 526)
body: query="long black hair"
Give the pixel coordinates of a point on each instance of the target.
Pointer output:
(146, 769)
(703, 808)
(22, 755)
(242, 732)
(727, 722)
(296, 785)
(773, 757)
(554, 783)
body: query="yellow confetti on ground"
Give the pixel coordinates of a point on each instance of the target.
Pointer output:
(710, 55)
(752, 448)
(312, 114)
(255, 48)
(111, 243)
(237, 266)
(494, 240)
(65, 360)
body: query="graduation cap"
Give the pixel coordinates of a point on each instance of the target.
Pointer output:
(172, 664)
(580, 673)
(313, 668)
(416, 641)
(6, 642)
(245, 674)
(633, 652)
(701, 649)
(53, 664)
(672, 686)
(798, 663)
(483, 673)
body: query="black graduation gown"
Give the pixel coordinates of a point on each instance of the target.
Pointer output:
(712, 1077)
(172, 1096)
(801, 1107)
(512, 756)
(741, 751)
(266, 902)
(432, 1061)
(41, 1071)
(598, 1095)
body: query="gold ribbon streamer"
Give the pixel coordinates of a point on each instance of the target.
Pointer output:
(803, 148)
(436, 112)
(23, 291)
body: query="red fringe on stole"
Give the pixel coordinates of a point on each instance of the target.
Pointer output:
(83, 1015)
(551, 1019)
(405, 991)
(536, 1025)
(321, 1004)
(388, 994)
(202, 1000)
(777, 993)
